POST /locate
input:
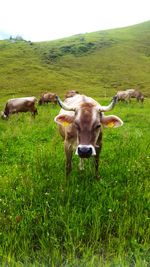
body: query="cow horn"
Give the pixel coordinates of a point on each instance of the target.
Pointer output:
(64, 106)
(110, 106)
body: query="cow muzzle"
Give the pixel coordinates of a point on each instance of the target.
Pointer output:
(3, 115)
(85, 151)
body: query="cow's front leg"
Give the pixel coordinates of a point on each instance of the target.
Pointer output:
(68, 152)
(98, 150)
(97, 165)
(34, 112)
(81, 164)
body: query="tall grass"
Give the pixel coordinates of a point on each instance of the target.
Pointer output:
(46, 220)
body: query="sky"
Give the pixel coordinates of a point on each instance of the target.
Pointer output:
(45, 20)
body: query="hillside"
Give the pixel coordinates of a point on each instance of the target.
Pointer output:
(98, 63)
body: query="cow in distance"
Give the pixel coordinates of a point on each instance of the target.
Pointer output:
(16, 105)
(123, 96)
(48, 97)
(136, 94)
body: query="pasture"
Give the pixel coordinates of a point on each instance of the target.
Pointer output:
(46, 220)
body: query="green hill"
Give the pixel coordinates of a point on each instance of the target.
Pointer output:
(98, 63)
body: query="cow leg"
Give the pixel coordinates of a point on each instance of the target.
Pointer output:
(68, 152)
(34, 112)
(97, 163)
(81, 164)
(96, 157)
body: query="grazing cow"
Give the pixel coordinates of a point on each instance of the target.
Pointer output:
(17, 105)
(80, 124)
(71, 93)
(48, 98)
(123, 96)
(135, 94)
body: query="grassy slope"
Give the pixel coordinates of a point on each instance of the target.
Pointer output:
(97, 63)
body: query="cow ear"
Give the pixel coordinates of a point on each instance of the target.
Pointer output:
(111, 121)
(64, 119)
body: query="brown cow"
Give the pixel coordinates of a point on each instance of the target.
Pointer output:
(23, 104)
(71, 93)
(48, 98)
(135, 94)
(80, 123)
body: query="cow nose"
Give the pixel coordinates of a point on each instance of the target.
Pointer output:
(84, 152)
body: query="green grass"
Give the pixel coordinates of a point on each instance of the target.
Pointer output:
(48, 221)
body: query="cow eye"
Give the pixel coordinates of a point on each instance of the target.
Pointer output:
(97, 126)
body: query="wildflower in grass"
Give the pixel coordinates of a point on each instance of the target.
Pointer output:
(18, 218)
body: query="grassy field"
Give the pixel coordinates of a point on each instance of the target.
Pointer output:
(48, 221)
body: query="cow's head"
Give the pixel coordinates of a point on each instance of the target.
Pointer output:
(4, 115)
(54, 98)
(88, 120)
(71, 93)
